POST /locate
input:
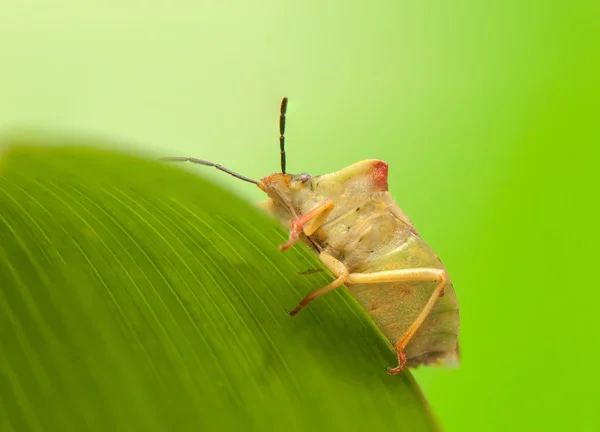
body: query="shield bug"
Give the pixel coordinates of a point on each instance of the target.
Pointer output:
(360, 234)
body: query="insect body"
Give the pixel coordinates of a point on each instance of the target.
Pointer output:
(352, 222)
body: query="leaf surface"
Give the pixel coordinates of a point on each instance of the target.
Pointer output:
(138, 296)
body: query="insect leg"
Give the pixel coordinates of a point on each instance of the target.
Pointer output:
(308, 222)
(337, 268)
(309, 271)
(418, 274)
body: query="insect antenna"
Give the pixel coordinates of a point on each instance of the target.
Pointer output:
(207, 163)
(282, 112)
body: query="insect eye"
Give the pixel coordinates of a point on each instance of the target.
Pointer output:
(304, 177)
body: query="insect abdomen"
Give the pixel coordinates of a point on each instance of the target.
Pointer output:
(394, 306)
(372, 234)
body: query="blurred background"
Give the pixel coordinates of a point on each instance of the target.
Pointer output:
(488, 114)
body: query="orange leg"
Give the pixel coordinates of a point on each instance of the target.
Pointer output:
(408, 335)
(390, 276)
(308, 222)
(337, 268)
(318, 293)
(418, 274)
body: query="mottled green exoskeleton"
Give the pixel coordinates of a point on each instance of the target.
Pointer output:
(361, 235)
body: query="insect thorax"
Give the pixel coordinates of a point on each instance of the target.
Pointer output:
(360, 232)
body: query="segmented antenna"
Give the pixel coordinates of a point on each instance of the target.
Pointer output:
(282, 111)
(207, 163)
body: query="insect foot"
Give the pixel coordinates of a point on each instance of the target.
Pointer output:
(401, 364)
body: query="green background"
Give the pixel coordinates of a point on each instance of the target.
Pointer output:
(487, 112)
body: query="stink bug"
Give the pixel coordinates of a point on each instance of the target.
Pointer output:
(351, 221)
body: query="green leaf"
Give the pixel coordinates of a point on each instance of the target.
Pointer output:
(137, 296)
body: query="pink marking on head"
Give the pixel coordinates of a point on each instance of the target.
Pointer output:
(380, 175)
